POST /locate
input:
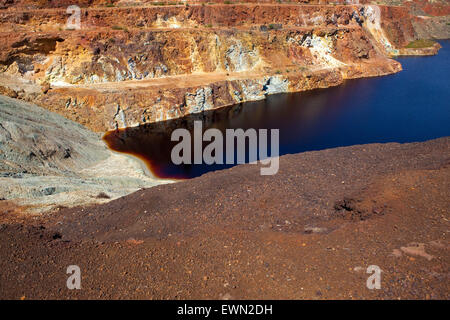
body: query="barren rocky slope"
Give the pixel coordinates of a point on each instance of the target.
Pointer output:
(47, 161)
(311, 231)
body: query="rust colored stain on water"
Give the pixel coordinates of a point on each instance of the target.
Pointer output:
(152, 143)
(298, 117)
(153, 149)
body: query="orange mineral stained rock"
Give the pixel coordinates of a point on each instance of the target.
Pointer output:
(166, 61)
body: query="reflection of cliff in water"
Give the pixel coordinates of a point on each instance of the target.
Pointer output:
(296, 115)
(408, 106)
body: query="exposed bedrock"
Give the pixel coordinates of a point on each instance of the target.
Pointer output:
(162, 62)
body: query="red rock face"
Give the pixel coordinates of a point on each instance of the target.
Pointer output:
(41, 4)
(396, 22)
(162, 62)
(432, 8)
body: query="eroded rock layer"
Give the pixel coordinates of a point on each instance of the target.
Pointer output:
(130, 65)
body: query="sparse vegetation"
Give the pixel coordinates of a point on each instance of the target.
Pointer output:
(116, 27)
(103, 195)
(274, 26)
(421, 43)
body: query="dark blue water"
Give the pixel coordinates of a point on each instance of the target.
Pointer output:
(413, 105)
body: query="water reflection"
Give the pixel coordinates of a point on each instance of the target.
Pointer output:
(408, 106)
(297, 116)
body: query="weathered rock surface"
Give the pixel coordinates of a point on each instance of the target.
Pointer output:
(163, 62)
(48, 161)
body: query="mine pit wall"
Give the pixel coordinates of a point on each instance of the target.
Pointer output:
(397, 26)
(45, 4)
(107, 110)
(82, 59)
(354, 56)
(434, 7)
(306, 47)
(217, 16)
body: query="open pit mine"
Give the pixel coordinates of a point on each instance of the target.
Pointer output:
(73, 71)
(132, 65)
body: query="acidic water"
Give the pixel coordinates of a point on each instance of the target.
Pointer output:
(413, 105)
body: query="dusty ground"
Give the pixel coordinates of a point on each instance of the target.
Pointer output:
(308, 232)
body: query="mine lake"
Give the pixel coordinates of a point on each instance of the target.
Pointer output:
(412, 105)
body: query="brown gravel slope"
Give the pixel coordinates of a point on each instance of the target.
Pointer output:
(308, 232)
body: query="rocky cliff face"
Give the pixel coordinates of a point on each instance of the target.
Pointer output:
(162, 62)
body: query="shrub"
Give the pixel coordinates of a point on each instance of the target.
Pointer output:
(116, 27)
(275, 26)
(421, 43)
(103, 195)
